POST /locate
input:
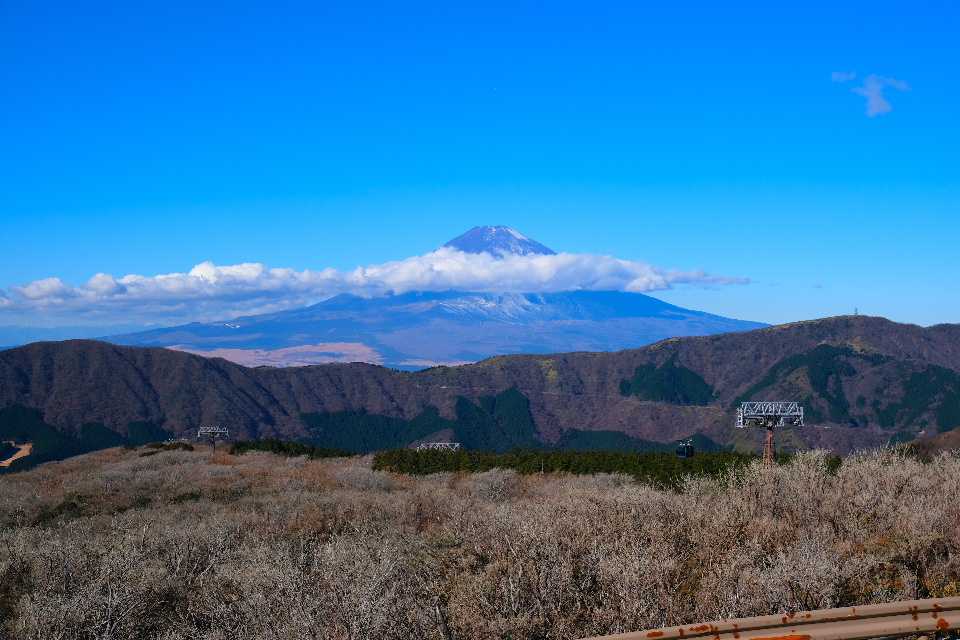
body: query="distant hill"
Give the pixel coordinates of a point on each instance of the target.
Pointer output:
(415, 330)
(422, 329)
(863, 381)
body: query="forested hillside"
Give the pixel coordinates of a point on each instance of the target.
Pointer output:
(863, 381)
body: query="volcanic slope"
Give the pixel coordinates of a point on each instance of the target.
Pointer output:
(416, 329)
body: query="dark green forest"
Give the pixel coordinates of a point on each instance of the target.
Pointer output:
(497, 423)
(669, 382)
(934, 386)
(659, 468)
(491, 423)
(7, 450)
(286, 448)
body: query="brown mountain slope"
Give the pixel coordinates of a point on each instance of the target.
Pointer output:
(862, 380)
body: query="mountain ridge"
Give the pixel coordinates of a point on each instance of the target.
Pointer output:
(865, 380)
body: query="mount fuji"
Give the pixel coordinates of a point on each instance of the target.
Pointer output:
(500, 241)
(419, 329)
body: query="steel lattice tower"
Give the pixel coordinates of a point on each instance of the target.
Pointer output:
(213, 432)
(770, 415)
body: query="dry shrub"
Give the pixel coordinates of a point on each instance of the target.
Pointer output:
(495, 485)
(363, 478)
(187, 545)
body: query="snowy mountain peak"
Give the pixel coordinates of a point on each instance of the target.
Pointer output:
(498, 240)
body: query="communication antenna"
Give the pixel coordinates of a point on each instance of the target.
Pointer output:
(438, 446)
(213, 432)
(771, 415)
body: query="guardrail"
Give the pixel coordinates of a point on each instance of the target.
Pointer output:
(849, 623)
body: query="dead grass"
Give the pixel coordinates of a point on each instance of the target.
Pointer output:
(207, 545)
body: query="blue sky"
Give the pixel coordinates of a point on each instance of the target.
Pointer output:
(144, 138)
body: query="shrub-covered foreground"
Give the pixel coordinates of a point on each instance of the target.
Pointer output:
(194, 544)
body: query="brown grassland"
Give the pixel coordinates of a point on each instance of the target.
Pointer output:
(194, 544)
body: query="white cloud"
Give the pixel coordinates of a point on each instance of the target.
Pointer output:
(45, 290)
(105, 284)
(873, 88)
(208, 291)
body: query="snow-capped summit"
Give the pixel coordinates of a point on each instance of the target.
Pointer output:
(499, 240)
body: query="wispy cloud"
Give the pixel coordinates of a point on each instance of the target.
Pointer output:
(872, 88)
(209, 291)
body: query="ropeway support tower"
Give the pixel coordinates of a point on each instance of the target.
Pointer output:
(438, 446)
(771, 415)
(213, 432)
